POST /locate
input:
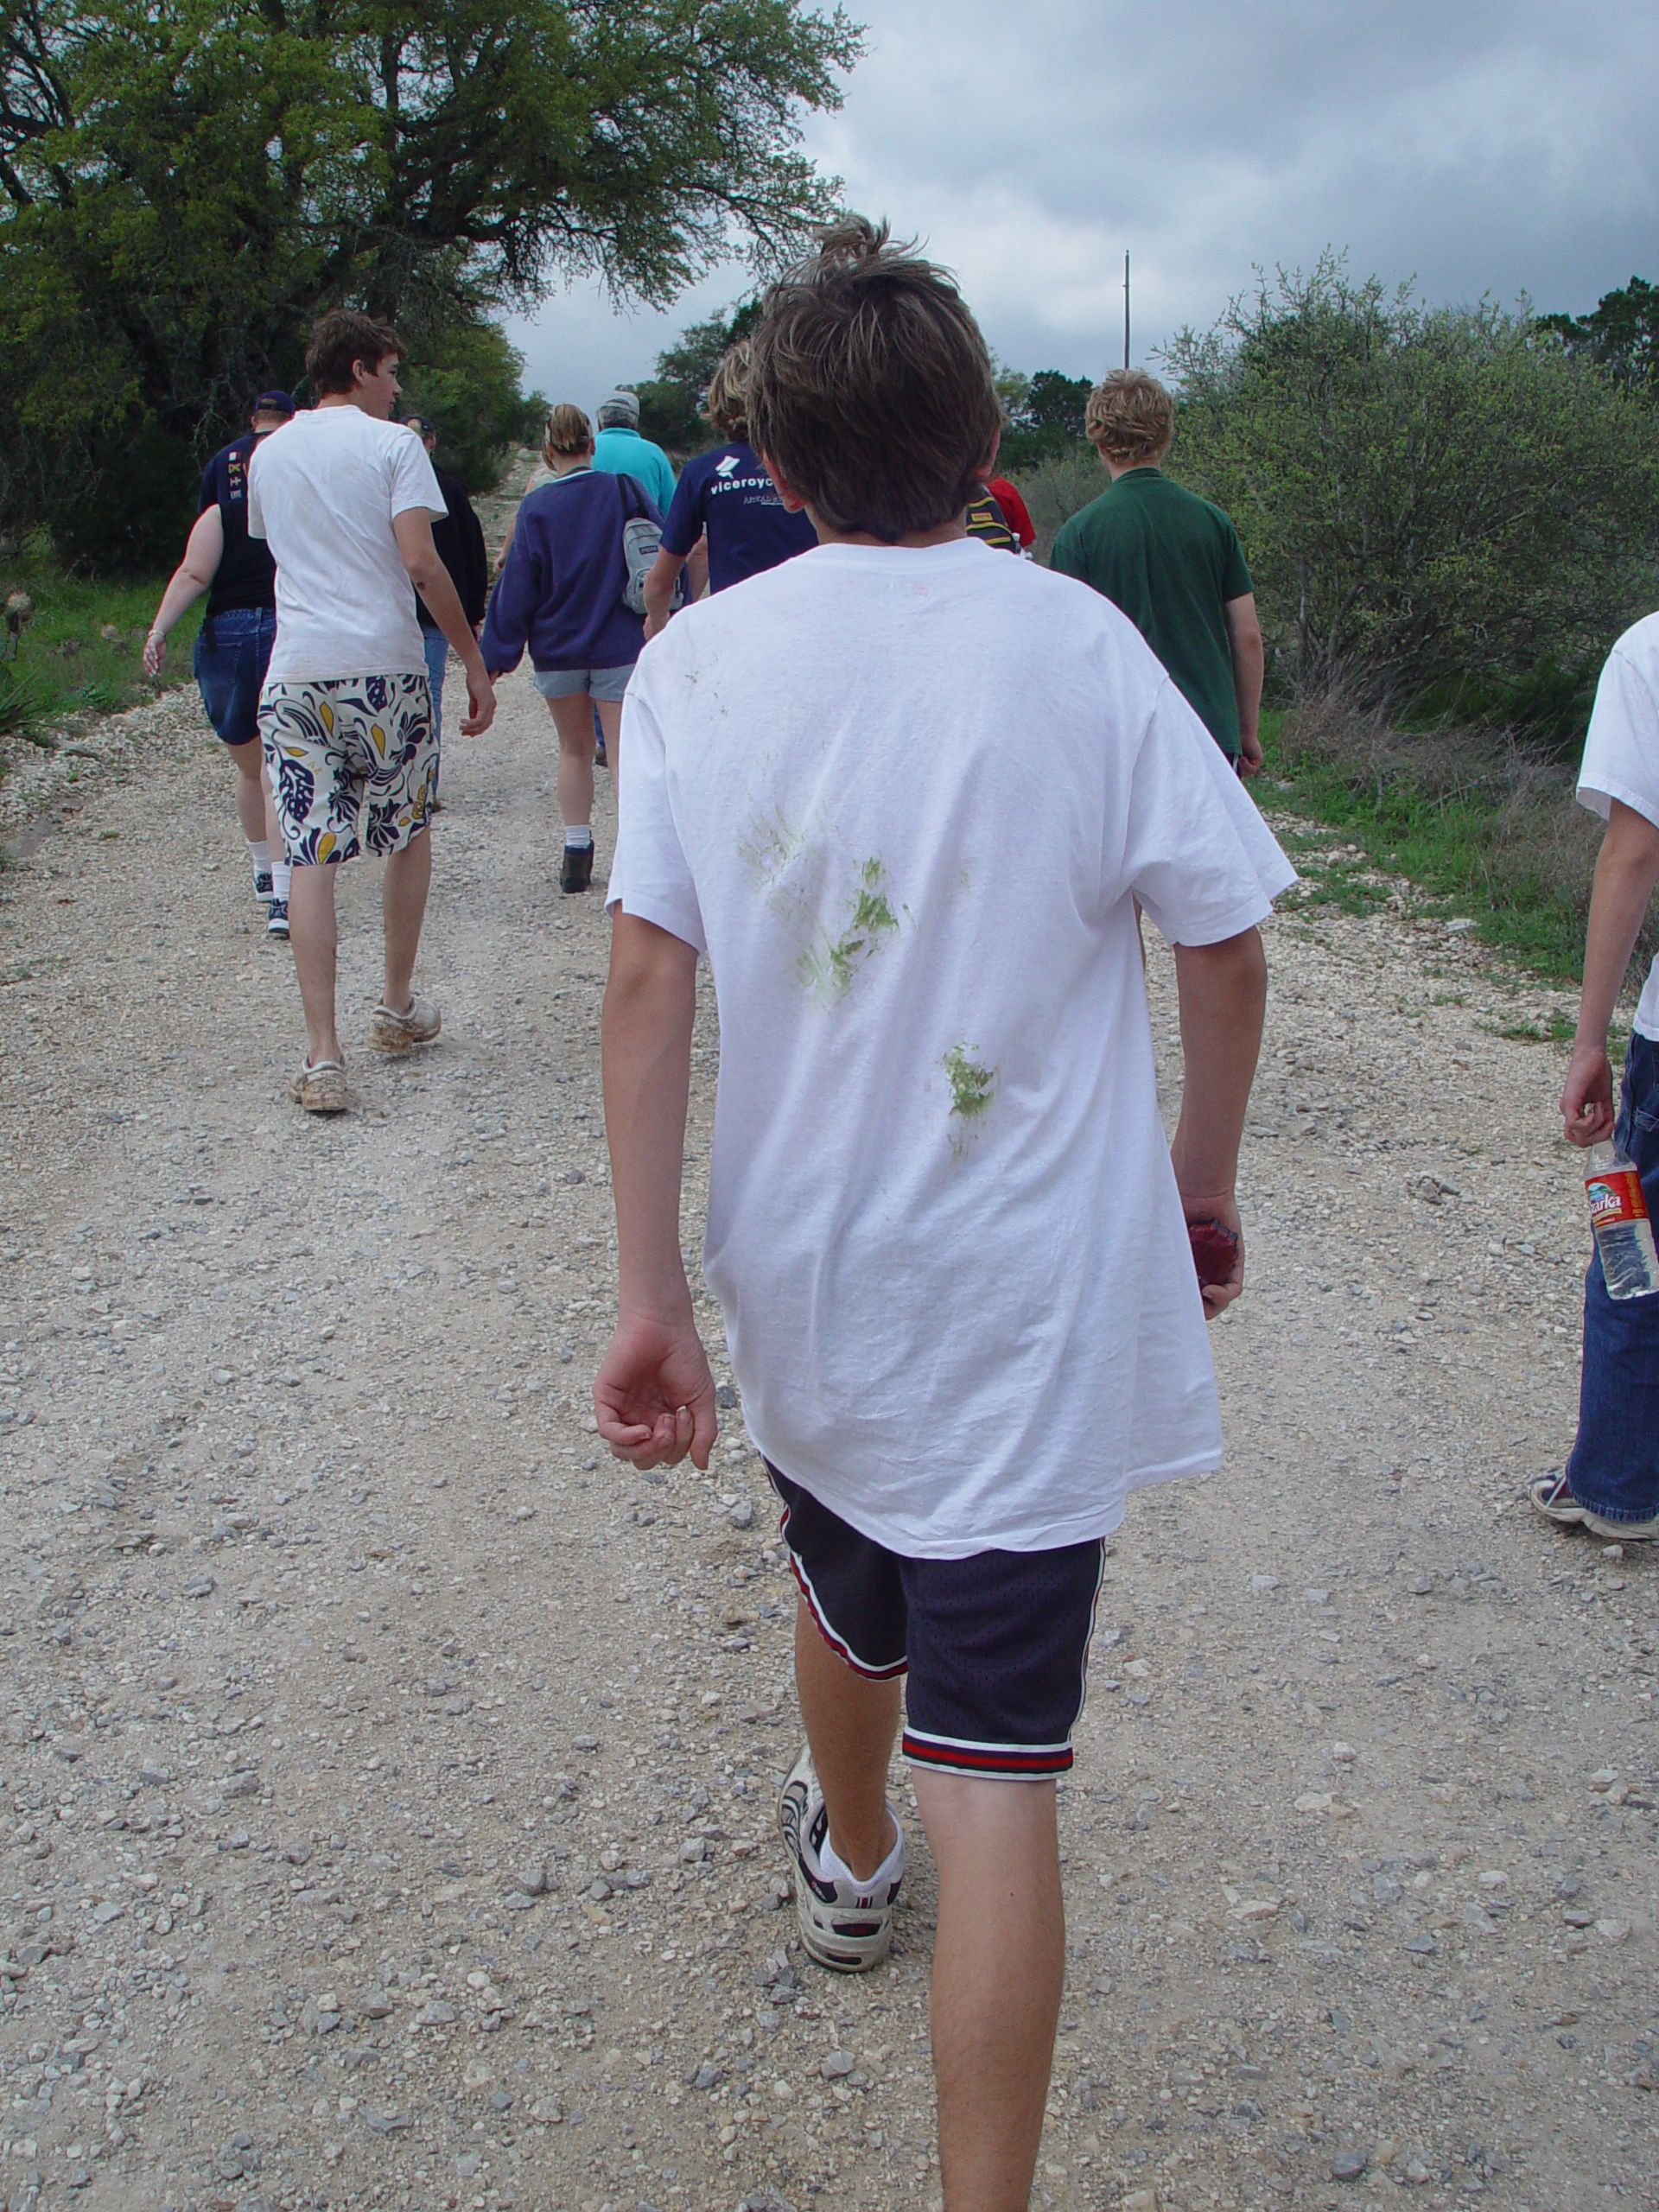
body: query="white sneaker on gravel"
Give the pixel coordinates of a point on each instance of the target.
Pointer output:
(845, 1925)
(319, 1087)
(1549, 1494)
(418, 1024)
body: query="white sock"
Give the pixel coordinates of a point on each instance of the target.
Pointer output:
(259, 854)
(577, 833)
(280, 874)
(835, 1869)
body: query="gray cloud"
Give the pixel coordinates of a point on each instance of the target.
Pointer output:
(1496, 146)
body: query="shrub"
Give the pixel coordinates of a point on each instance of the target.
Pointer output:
(1442, 508)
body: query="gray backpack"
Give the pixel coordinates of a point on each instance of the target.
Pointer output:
(642, 541)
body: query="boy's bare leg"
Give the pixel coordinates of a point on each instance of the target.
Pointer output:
(573, 718)
(999, 1963)
(315, 934)
(402, 901)
(851, 1723)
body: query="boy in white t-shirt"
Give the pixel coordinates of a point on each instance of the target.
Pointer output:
(944, 1225)
(1611, 1482)
(347, 498)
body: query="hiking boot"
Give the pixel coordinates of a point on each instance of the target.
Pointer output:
(1549, 1494)
(577, 872)
(418, 1024)
(846, 1926)
(319, 1087)
(277, 918)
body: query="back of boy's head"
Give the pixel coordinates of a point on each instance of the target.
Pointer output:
(726, 402)
(1130, 417)
(869, 387)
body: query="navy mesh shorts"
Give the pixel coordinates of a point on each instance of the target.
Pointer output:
(996, 1646)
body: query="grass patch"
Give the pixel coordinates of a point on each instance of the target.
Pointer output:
(63, 664)
(1489, 826)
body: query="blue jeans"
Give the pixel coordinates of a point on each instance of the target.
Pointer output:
(1614, 1469)
(233, 652)
(437, 658)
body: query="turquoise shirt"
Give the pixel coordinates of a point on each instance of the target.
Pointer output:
(624, 452)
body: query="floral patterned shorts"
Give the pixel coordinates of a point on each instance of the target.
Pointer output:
(357, 746)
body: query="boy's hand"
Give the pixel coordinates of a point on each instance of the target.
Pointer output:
(1587, 1097)
(654, 1395)
(1222, 1207)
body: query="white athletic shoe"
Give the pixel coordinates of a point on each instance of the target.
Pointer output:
(844, 1926)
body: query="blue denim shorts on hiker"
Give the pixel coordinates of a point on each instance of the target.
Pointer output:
(435, 647)
(1614, 1469)
(233, 652)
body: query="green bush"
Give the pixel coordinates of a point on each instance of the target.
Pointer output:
(1442, 508)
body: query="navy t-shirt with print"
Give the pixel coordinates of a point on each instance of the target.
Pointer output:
(729, 493)
(246, 575)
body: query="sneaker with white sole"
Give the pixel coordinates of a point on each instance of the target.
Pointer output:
(391, 1032)
(319, 1087)
(1549, 1494)
(277, 918)
(262, 886)
(845, 1925)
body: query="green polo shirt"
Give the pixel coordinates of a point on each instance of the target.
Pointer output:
(1171, 562)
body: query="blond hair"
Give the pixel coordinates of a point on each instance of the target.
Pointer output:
(569, 431)
(1130, 417)
(726, 402)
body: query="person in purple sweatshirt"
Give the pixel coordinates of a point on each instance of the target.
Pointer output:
(560, 594)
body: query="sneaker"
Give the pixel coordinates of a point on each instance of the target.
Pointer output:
(262, 886)
(321, 1089)
(844, 1927)
(601, 758)
(418, 1024)
(276, 919)
(577, 872)
(1548, 1493)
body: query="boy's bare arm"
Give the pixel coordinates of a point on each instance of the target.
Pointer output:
(1224, 996)
(1250, 662)
(1625, 874)
(654, 1395)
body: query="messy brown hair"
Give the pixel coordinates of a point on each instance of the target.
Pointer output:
(726, 400)
(342, 339)
(870, 387)
(567, 431)
(1130, 418)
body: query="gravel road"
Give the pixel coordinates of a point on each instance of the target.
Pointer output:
(386, 1782)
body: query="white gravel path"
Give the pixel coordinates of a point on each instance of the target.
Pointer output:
(386, 1784)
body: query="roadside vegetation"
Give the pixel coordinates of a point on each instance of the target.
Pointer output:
(76, 649)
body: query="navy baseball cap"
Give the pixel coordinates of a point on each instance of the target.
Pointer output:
(423, 425)
(273, 403)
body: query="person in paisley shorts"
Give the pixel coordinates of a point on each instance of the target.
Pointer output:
(347, 500)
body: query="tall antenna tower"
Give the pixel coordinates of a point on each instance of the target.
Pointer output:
(1126, 308)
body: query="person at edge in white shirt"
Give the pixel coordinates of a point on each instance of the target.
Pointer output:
(948, 1236)
(1610, 1483)
(347, 500)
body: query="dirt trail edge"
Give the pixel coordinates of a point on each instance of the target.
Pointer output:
(387, 1780)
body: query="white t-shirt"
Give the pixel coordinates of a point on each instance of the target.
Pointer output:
(322, 492)
(1621, 756)
(901, 799)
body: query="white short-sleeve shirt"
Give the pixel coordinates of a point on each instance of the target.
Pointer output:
(1621, 756)
(322, 492)
(904, 801)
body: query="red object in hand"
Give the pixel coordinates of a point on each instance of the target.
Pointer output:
(1215, 1250)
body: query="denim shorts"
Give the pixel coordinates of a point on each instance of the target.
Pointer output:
(233, 650)
(606, 683)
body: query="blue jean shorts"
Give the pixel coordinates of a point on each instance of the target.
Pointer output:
(606, 683)
(232, 651)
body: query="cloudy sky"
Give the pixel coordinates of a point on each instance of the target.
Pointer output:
(1484, 145)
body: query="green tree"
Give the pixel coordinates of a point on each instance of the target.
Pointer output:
(1441, 506)
(1621, 333)
(185, 184)
(671, 403)
(1045, 417)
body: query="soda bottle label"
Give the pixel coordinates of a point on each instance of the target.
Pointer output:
(1615, 1197)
